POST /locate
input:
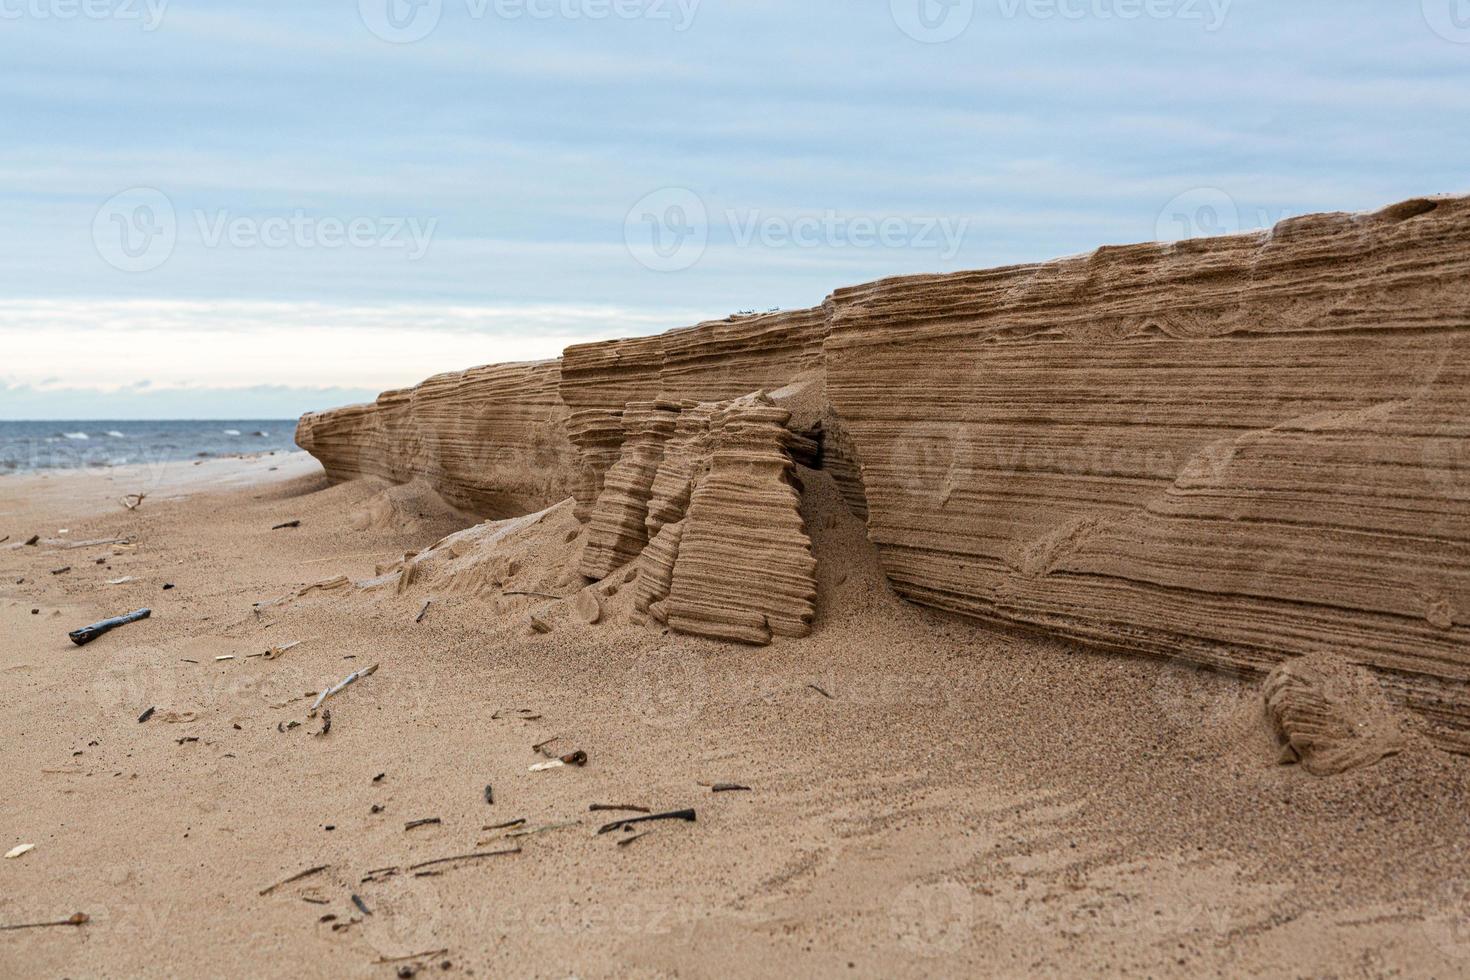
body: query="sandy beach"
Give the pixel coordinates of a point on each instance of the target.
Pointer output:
(926, 796)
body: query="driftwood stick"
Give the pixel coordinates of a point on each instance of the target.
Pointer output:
(73, 545)
(507, 825)
(350, 679)
(475, 856)
(671, 815)
(87, 634)
(78, 919)
(296, 877)
(428, 954)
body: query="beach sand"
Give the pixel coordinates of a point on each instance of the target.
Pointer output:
(927, 796)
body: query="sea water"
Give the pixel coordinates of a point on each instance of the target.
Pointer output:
(43, 445)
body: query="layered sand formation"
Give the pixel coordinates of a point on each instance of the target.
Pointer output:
(1234, 451)
(491, 440)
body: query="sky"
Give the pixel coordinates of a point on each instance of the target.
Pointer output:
(254, 209)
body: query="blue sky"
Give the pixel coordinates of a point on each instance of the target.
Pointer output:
(315, 206)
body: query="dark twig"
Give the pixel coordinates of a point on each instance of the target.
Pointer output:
(87, 634)
(671, 815)
(146, 715)
(78, 919)
(361, 905)
(428, 821)
(820, 691)
(296, 877)
(424, 611)
(281, 527)
(412, 956)
(475, 856)
(537, 595)
(378, 874)
(507, 825)
(729, 788)
(624, 842)
(598, 807)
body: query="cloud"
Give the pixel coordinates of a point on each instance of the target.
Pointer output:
(113, 346)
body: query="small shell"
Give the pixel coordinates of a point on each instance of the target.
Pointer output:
(19, 849)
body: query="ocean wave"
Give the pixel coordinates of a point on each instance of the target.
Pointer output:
(116, 435)
(76, 435)
(232, 432)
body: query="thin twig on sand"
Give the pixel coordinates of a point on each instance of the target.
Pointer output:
(77, 919)
(350, 679)
(474, 856)
(671, 815)
(296, 877)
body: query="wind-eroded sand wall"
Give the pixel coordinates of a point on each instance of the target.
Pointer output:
(491, 440)
(1233, 450)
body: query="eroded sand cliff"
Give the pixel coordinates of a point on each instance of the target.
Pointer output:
(1235, 451)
